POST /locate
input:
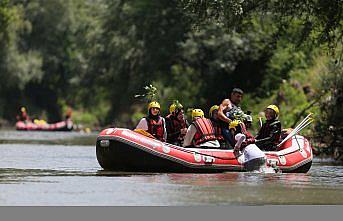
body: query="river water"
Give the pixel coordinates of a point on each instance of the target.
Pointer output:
(60, 168)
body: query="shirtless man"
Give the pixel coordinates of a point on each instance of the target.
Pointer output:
(227, 109)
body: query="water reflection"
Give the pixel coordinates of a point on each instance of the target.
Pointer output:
(45, 173)
(122, 174)
(289, 180)
(47, 137)
(227, 179)
(12, 175)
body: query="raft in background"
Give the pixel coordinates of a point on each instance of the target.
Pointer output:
(66, 125)
(119, 149)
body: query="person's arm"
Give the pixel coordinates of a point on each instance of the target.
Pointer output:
(250, 139)
(221, 115)
(143, 124)
(189, 136)
(240, 139)
(184, 128)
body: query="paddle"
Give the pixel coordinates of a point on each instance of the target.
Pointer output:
(304, 123)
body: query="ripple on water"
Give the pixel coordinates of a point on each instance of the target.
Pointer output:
(69, 174)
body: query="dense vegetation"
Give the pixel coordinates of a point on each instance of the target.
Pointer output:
(95, 55)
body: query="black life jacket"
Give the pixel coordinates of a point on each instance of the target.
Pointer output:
(269, 135)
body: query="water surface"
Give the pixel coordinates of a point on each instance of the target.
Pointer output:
(60, 168)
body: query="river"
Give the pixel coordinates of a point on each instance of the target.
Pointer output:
(61, 169)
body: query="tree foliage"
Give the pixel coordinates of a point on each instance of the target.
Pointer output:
(96, 55)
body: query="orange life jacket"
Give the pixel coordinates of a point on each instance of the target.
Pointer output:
(156, 128)
(205, 131)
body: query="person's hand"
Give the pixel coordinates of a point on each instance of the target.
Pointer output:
(250, 141)
(237, 153)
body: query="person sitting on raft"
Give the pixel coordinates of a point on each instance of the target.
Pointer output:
(227, 112)
(176, 124)
(154, 123)
(68, 113)
(269, 135)
(213, 113)
(201, 132)
(23, 116)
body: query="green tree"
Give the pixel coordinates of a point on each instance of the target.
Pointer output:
(17, 67)
(138, 44)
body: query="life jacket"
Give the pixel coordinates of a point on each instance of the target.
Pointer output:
(241, 128)
(234, 112)
(269, 135)
(268, 127)
(218, 130)
(156, 128)
(174, 127)
(231, 114)
(23, 116)
(205, 131)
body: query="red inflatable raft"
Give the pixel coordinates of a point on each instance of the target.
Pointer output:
(59, 126)
(120, 149)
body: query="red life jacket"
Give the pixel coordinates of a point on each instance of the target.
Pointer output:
(23, 117)
(205, 131)
(218, 131)
(175, 124)
(242, 129)
(156, 128)
(174, 127)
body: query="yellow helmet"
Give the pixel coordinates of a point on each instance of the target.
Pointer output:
(234, 124)
(274, 108)
(154, 104)
(197, 113)
(23, 109)
(213, 108)
(172, 107)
